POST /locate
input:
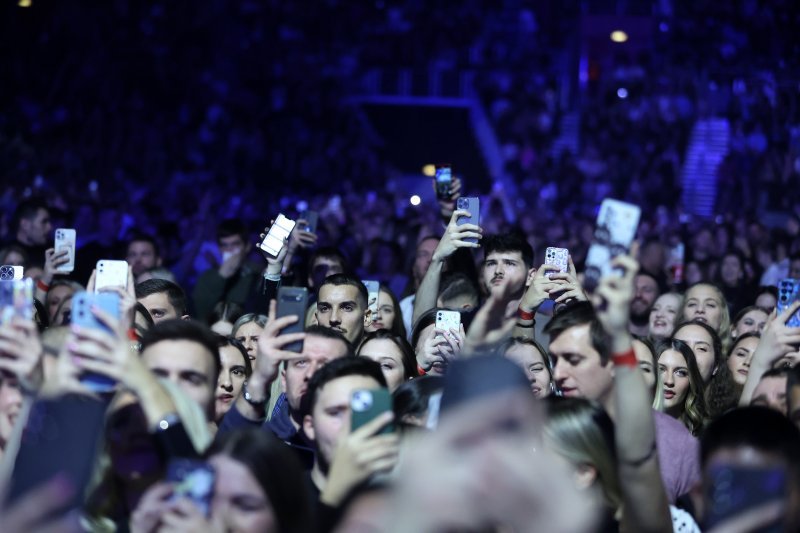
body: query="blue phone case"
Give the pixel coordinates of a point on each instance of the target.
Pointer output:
(81, 315)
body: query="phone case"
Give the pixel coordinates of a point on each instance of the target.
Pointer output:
(10, 272)
(65, 240)
(616, 228)
(675, 262)
(81, 315)
(373, 288)
(447, 320)
(194, 480)
(293, 301)
(473, 205)
(788, 293)
(278, 232)
(311, 218)
(111, 273)
(444, 181)
(368, 404)
(557, 257)
(16, 299)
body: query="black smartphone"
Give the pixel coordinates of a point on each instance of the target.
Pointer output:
(444, 181)
(293, 301)
(311, 218)
(473, 205)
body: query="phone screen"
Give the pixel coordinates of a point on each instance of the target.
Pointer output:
(277, 234)
(16, 299)
(444, 180)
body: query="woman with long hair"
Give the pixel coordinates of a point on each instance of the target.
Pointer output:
(684, 396)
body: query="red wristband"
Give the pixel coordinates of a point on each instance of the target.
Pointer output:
(42, 285)
(525, 315)
(421, 371)
(625, 359)
(132, 335)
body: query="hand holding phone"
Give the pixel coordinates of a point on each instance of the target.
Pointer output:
(473, 205)
(559, 258)
(81, 314)
(373, 290)
(193, 480)
(789, 293)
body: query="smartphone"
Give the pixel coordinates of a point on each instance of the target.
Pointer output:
(194, 480)
(373, 289)
(293, 301)
(732, 490)
(368, 404)
(788, 293)
(65, 240)
(279, 231)
(616, 228)
(311, 218)
(110, 273)
(16, 299)
(473, 205)
(447, 320)
(10, 272)
(81, 315)
(675, 262)
(444, 181)
(558, 257)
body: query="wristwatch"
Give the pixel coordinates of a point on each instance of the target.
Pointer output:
(258, 403)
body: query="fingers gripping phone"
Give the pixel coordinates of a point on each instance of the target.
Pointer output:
(81, 315)
(473, 205)
(293, 301)
(616, 228)
(368, 404)
(65, 241)
(444, 182)
(110, 273)
(558, 257)
(275, 238)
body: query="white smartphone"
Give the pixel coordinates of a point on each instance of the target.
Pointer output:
(110, 273)
(65, 240)
(558, 257)
(616, 228)
(373, 288)
(279, 231)
(10, 272)
(447, 320)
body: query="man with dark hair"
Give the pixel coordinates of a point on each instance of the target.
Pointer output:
(32, 227)
(186, 353)
(580, 350)
(344, 458)
(325, 261)
(163, 299)
(458, 292)
(234, 280)
(771, 390)
(508, 259)
(647, 290)
(342, 306)
(142, 253)
(766, 445)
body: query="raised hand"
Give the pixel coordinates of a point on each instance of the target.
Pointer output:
(21, 353)
(454, 236)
